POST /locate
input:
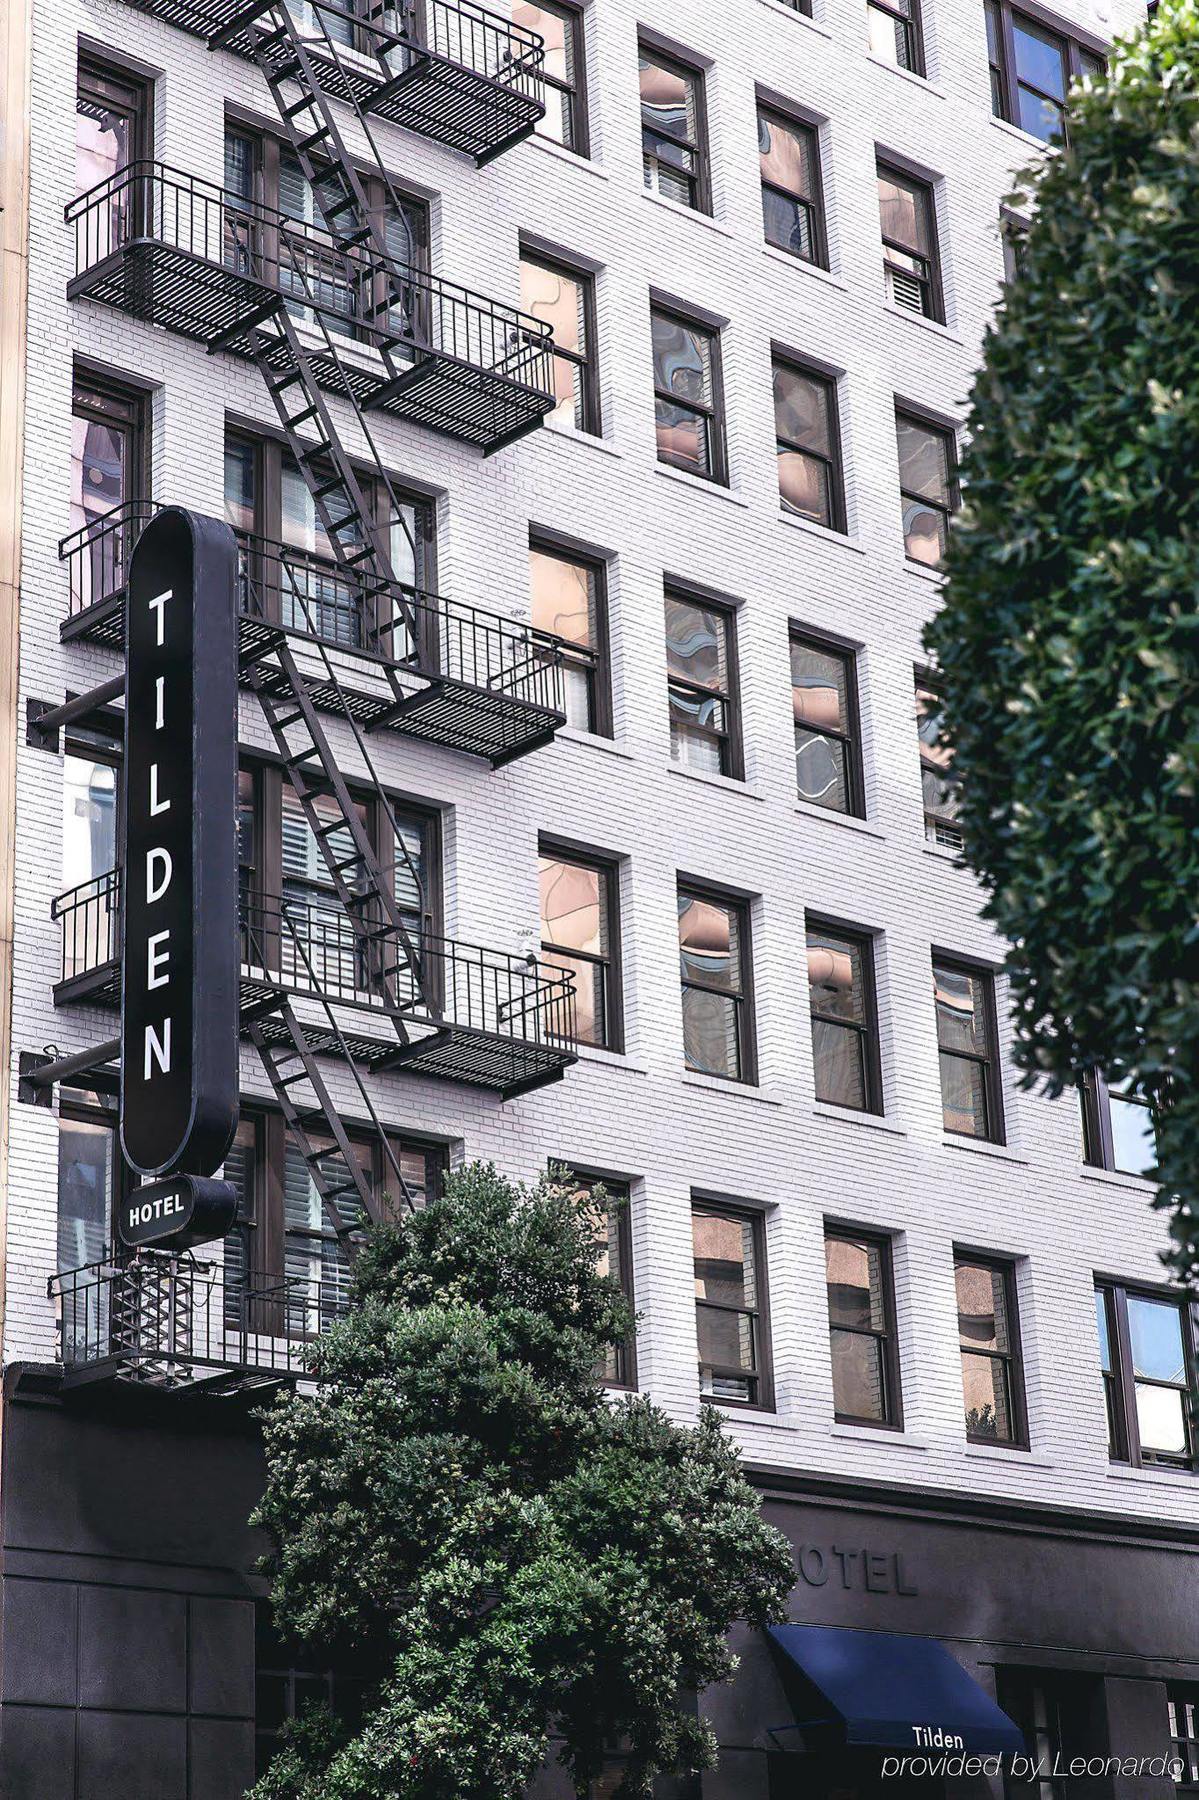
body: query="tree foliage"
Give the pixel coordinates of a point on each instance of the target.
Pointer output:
(509, 1553)
(1069, 639)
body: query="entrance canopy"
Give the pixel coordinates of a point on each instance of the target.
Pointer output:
(881, 1690)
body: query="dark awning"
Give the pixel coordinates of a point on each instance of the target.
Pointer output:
(881, 1690)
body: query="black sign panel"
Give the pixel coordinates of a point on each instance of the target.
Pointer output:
(177, 1213)
(179, 952)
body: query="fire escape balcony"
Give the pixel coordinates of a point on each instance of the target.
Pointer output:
(182, 253)
(460, 74)
(476, 1016)
(467, 679)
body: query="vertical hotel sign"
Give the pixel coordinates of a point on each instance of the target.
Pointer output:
(179, 950)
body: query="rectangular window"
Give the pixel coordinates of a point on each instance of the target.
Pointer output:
(729, 1249)
(861, 1323)
(580, 932)
(113, 131)
(714, 969)
(674, 150)
(1118, 1127)
(1182, 1707)
(936, 769)
(701, 678)
(1055, 1712)
(569, 612)
(928, 486)
(1032, 67)
(792, 204)
(967, 1049)
(808, 444)
(845, 1054)
(91, 842)
(616, 1259)
(565, 299)
(109, 448)
(908, 221)
(688, 401)
(893, 30)
(824, 701)
(1147, 1355)
(989, 1343)
(561, 26)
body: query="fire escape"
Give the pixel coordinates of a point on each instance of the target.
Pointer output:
(326, 312)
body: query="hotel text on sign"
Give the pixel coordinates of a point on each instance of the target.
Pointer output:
(179, 949)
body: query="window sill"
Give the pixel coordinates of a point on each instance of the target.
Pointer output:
(875, 1434)
(923, 572)
(1021, 136)
(824, 532)
(806, 809)
(789, 12)
(1004, 1453)
(805, 268)
(739, 1090)
(609, 1059)
(1131, 1184)
(571, 734)
(849, 1115)
(1167, 1478)
(980, 1147)
(687, 212)
(933, 325)
(738, 1412)
(571, 158)
(589, 440)
(699, 485)
(920, 81)
(952, 857)
(726, 783)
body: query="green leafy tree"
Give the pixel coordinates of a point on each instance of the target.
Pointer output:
(1069, 639)
(463, 1510)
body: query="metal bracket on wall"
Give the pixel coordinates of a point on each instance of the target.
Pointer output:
(43, 722)
(39, 1071)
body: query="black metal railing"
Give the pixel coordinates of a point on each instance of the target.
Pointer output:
(170, 1319)
(469, 35)
(381, 307)
(317, 597)
(301, 945)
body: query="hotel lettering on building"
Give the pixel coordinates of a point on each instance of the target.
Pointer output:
(582, 385)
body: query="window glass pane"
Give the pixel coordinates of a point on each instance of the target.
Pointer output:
(697, 644)
(103, 140)
(572, 909)
(100, 472)
(239, 485)
(925, 533)
(787, 223)
(1155, 1334)
(923, 461)
(963, 1096)
(982, 1307)
(698, 728)
(961, 1009)
(682, 437)
(802, 409)
(835, 984)
(904, 212)
(723, 1247)
(819, 687)
(709, 943)
(590, 996)
(854, 1277)
(682, 360)
(838, 1054)
(86, 1162)
(557, 298)
(711, 1043)
(553, 27)
(804, 486)
(1040, 57)
(986, 1399)
(89, 818)
(890, 38)
(785, 155)
(1101, 1325)
(1038, 116)
(858, 1387)
(1161, 1420)
(563, 598)
(667, 100)
(1134, 1142)
(821, 770)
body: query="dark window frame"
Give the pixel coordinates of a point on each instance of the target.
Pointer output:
(1124, 1445)
(686, 888)
(107, 82)
(1074, 46)
(834, 465)
(625, 1355)
(596, 663)
(134, 403)
(588, 362)
(851, 738)
(727, 1206)
(927, 421)
(608, 867)
(732, 749)
(1182, 1699)
(575, 110)
(870, 1048)
(991, 1062)
(913, 31)
(713, 415)
(102, 1111)
(1013, 1358)
(773, 110)
(700, 180)
(930, 283)
(1098, 1137)
(842, 1231)
(928, 682)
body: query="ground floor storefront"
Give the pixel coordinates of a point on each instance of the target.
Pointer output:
(939, 1648)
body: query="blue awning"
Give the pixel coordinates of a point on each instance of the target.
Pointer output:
(881, 1690)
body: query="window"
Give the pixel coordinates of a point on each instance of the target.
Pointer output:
(792, 205)
(828, 768)
(729, 1249)
(966, 1042)
(113, 131)
(688, 404)
(1182, 1707)
(615, 1259)
(936, 770)
(893, 31)
(844, 1026)
(988, 1340)
(908, 221)
(807, 442)
(569, 612)
(287, 1679)
(674, 152)
(1013, 232)
(861, 1322)
(91, 811)
(800, 6)
(1118, 1128)
(1055, 1711)
(561, 26)
(565, 299)
(714, 964)
(580, 932)
(1147, 1355)
(928, 486)
(1031, 69)
(90, 1178)
(701, 678)
(109, 468)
